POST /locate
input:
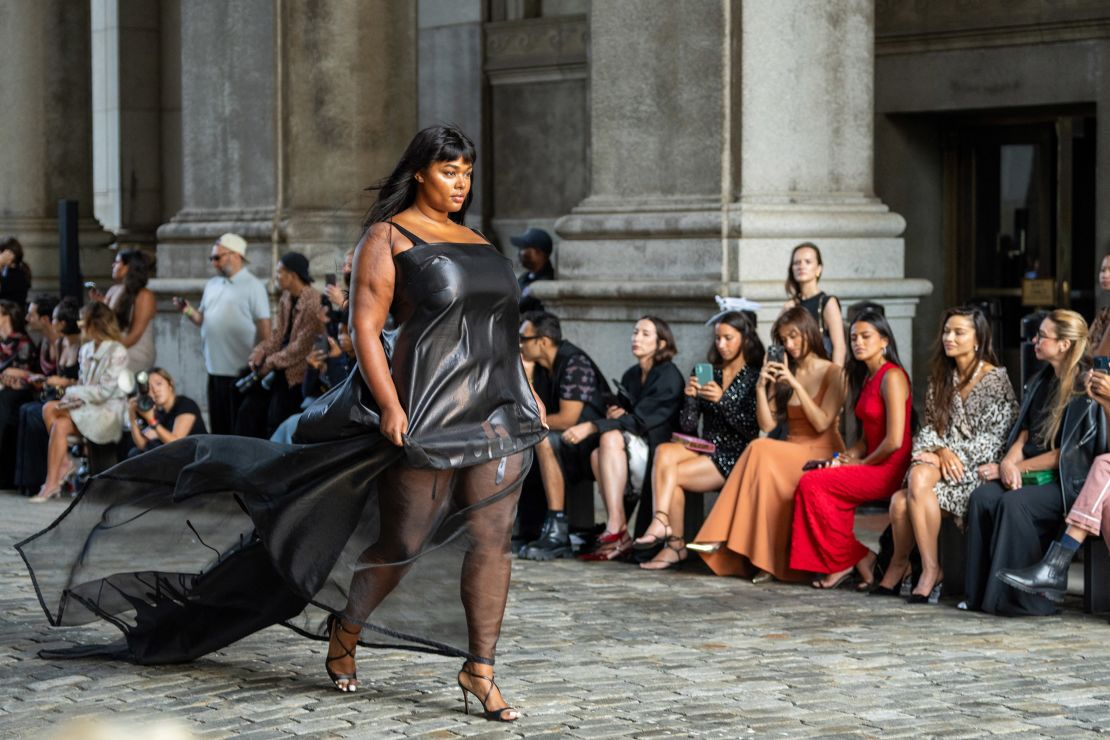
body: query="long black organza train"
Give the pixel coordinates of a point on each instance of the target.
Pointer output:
(191, 546)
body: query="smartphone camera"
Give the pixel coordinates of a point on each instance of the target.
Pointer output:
(776, 353)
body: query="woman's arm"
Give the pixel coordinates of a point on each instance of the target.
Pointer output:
(371, 295)
(658, 404)
(765, 406)
(142, 313)
(834, 323)
(895, 392)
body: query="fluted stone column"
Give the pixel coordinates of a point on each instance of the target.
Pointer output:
(709, 165)
(806, 159)
(290, 109)
(46, 132)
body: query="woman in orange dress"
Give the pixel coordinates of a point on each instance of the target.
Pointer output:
(748, 531)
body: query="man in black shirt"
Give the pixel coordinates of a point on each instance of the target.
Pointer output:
(535, 258)
(573, 390)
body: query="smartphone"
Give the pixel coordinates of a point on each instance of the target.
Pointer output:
(703, 372)
(1102, 364)
(329, 279)
(90, 285)
(776, 353)
(321, 344)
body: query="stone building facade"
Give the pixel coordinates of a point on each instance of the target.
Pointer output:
(678, 148)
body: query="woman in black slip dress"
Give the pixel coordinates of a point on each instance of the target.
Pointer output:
(411, 467)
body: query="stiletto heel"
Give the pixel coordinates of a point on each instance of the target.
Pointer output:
(932, 598)
(348, 652)
(494, 715)
(655, 540)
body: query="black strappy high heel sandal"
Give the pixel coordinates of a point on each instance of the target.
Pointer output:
(663, 518)
(494, 715)
(348, 652)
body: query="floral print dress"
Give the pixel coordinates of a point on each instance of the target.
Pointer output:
(977, 432)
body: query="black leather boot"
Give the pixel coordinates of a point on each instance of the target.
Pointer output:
(1047, 578)
(554, 540)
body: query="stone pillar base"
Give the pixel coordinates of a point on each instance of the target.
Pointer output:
(39, 237)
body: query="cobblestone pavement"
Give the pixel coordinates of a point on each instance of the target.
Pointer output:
(599, 650)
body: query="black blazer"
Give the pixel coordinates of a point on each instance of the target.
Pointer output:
(655, 403)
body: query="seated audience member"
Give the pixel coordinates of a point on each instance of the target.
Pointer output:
(17, 361)
(1088, 516)
(725, 406)
(94, 406)
(21, 386)
(822, 536)
(578, 389)
(1098, 338)
(15, 274)
(654, 396)
(969, 409)
(30, 468)
(1058, 432)
(748, 531)
(534, 252)
(340, 297)
(133, 304)
(169, 418)
(802, 278)
(284, 353)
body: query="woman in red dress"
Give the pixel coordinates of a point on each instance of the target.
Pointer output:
(822, 540)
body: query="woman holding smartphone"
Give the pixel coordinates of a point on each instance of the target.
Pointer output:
(873, 468)
(722, 398)
(1058, 432)
(748, 531)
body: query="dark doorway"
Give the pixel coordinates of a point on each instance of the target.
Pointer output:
(1021, 218)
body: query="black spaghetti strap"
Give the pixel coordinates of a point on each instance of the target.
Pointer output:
(408, 234)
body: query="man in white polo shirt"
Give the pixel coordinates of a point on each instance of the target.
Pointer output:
(233, 316)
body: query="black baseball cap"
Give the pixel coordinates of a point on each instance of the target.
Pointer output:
(537, 238)
(296, 263)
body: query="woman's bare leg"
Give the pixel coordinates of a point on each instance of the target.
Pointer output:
(925, 515)
(902, 531)
(612, 476)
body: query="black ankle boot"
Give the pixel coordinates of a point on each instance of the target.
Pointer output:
(554, 540)
(1048, 577)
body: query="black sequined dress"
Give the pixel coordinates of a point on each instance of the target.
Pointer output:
(193, 545)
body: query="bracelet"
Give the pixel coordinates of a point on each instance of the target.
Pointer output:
(153, 425)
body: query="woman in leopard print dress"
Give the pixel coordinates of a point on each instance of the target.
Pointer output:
(969, 409)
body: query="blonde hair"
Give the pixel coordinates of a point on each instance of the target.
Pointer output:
(1070, 326)
(100, 322)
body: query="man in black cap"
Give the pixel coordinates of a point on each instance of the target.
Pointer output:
(535, 257)
(281, 361)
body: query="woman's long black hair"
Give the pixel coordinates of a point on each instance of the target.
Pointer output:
(138, 275)
(398, 191)
(856, 370)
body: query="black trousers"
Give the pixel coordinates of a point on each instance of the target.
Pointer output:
(30, 468)
(10, 401)
(1009, 529)
(223, 402)
(262, 411)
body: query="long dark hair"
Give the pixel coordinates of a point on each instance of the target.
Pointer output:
(750, 344)
(792, 288)
(10, 243)
(802, 320)
(856, 370)
(942, 369)
(138, 275)
(398, 191)
(68, 312)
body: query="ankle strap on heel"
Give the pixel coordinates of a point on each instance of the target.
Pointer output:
(479, 660)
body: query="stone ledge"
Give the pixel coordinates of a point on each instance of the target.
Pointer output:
(764, 291)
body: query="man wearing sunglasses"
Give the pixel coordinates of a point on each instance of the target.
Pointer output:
(233, 316)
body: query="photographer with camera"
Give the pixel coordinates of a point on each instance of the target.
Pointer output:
(272, 391)
(233, 315)
(158, 415)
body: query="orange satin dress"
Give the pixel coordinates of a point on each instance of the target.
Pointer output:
(755, 511)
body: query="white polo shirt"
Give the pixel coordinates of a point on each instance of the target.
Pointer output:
(231, 306)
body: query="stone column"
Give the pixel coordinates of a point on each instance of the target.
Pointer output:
(46, 132)
(648, 236)
(806, 160)
(289, 110)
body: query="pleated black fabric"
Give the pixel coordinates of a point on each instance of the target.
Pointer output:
(193, 545)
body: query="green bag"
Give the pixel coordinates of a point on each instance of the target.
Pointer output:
(1038, 477)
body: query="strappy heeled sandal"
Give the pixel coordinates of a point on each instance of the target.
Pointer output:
(348, 652)
(655, 540)
(494, 715)
(668, 564)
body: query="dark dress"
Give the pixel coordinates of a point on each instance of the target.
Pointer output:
(198, 543)
(730, 424)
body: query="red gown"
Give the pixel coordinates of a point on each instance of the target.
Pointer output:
(822, 537)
